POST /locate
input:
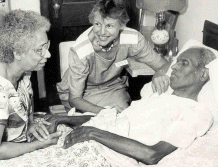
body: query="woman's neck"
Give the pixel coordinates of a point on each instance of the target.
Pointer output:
(11, 72)
(110, 55)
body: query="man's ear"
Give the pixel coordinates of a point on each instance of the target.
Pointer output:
(17, 56)
(204, 74)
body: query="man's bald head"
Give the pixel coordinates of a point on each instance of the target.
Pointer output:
(189, 73)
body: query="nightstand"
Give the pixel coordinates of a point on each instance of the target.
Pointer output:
(139, 74)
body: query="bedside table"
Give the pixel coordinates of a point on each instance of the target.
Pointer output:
(139, 74)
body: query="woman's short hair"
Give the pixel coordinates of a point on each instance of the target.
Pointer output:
(18, 31)
(114, 9)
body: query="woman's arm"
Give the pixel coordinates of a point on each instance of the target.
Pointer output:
(11, 149)
(37, 130)
(83, 105)
(77, 80)
(160, 81)
(143, 52)
(128, 147)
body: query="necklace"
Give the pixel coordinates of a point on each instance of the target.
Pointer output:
(108, 48)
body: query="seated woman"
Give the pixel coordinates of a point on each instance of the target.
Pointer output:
(93, 79)
(24, 48)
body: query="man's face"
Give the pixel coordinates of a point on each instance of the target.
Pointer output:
(185, 73)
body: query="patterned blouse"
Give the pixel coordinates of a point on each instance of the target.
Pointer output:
(15, 108)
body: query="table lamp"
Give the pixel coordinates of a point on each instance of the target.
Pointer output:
(163, 35)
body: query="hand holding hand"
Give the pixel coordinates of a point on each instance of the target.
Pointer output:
(51, 140)
(38, 131)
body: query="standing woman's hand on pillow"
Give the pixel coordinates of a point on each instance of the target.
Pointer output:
(160, 82)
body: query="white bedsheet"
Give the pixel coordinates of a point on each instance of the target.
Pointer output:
(202, 153)
(80, 155)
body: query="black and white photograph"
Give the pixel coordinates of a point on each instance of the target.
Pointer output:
(108, 83)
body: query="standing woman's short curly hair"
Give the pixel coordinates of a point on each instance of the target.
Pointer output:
(114, 9)
(17, 32)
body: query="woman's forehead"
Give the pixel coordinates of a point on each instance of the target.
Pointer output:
(41, 38)
(100, 18)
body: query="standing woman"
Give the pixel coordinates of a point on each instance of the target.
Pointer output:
(23, 48)
(93, 79)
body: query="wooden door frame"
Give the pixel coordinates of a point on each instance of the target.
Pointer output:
(46, 8)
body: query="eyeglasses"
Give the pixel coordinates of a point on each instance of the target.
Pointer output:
(41, 52)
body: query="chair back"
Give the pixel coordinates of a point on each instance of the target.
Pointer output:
(64, 48)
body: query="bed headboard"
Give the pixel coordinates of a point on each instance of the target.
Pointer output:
(210, 34)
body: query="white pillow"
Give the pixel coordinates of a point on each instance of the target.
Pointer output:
(209, 93)
(209, 96)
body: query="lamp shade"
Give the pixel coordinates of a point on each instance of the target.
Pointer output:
(160, 37)
(157, 6)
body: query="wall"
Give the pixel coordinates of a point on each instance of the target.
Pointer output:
(190, 24)
(26, 5)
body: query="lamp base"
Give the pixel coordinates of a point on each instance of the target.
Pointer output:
(161, 49)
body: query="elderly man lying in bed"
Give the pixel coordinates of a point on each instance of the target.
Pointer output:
(152, 128)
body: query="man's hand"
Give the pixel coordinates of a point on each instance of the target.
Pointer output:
(160, 82)
(53, 120)
(79, 134)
